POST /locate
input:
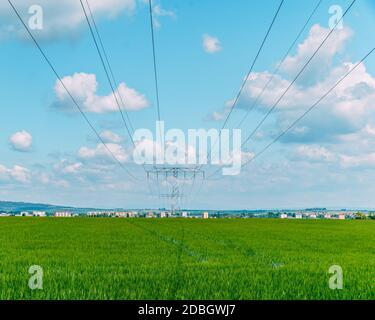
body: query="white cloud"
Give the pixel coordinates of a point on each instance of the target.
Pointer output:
(323, 59)
(101, 152)
(109, 136)
(60, 18)
(83, 88)
(72, 168)
(345, 111)
(343, 121)
(21, 141)
(217, 116)
(364, 160)
(315, 153)
(211, 44)
(16, 173)
(159, 12)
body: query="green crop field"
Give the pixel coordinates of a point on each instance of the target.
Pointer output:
(86, 258)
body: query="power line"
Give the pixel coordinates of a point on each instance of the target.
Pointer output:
(310, 109)
(113, 82)
(280, 64)
(70, 95)
(109, 65)
(294, 80)
(248, 74)
(298, 75)
(154, 60)
(107, 73)
(156, 78)
(248, 111)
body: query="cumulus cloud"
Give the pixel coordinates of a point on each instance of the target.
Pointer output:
(345, 111)
(363, 160)
(315, 153)
(323, 59)
(100, 152)
(109, 136)
(21, 141)
(159, 12)
(211, 44)
(60, 18)
(83, 88)
(16, 173)
(341, 130)
(72, 168)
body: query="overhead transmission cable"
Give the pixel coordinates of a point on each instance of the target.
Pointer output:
(298, 75)
(156, 78)
(109, 72)
(154, 60)
(254, 104)
(309, 109)
(69, 94)
(294, 80)
(109, 65)
(114, 91)
(235, 101)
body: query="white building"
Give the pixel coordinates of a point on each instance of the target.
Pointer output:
(205, 215)
(132, 214)
(39, 214)
(283, 216)
(298, 215)
(63, 214)
(163, 214)
(121, 214)
(327, 216)
(184, 214)
(342, 216)
(313, 216)
(4, 214)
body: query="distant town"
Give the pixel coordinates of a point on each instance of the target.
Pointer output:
(318, 213)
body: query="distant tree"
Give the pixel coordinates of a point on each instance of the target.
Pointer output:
(360, 216)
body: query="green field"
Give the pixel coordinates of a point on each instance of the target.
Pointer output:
(86, 258)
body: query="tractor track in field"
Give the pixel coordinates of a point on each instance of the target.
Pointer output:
(179, 243)
(182, 248)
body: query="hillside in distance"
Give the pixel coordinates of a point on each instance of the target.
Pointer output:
(10, 206)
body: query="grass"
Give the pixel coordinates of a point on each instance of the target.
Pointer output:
(86, 258)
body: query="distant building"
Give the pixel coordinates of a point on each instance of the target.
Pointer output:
(163, 215)
(63, 214)
(132, 214)
(39, 214)
(298, 215)
(283, 216)
(313, 216)
(205, 215)
(184, 214)
(327, 216)
(342, 216)
(4, 214)
(121, 214)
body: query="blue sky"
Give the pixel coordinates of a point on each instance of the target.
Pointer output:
(329, 161)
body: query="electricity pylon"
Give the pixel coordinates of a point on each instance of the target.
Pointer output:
(175, 177)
